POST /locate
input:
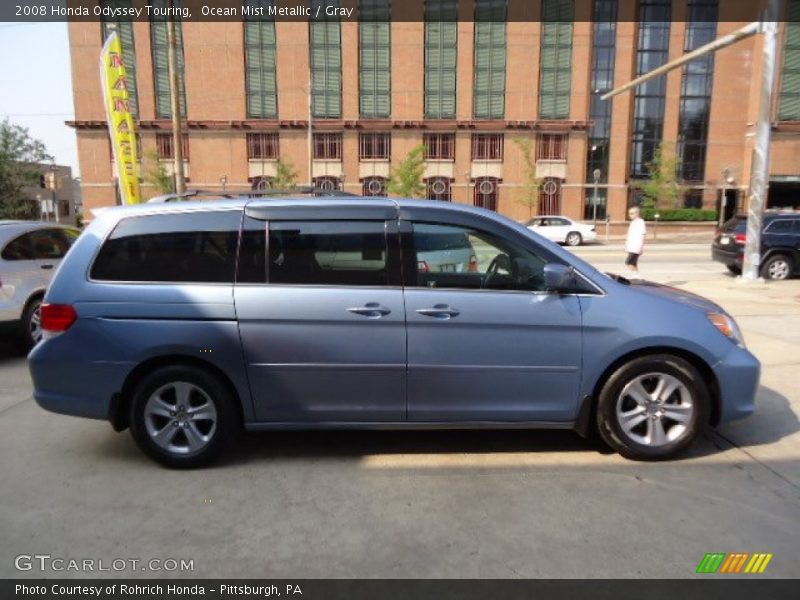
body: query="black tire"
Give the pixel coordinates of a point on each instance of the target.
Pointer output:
(29, 334)
(574, 239)
(734, 269)
(777, 267)
(608, 422)
(216, 391)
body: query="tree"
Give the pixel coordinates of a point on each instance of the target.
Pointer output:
(285, 176)
(156, 174)
(528, 192)
(406, 179)
(20, 168)
(663, 182)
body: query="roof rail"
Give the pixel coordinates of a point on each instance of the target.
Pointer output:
(301, 190)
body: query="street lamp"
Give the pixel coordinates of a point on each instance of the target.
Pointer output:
(726, 177)
(596, 176)
(467, 179)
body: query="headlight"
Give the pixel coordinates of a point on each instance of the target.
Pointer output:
(727, 327)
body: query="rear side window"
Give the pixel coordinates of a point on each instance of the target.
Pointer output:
(780, 226)
(735, 225)
(328, 253)
(191, 247)
(19, 248)
(49, 244)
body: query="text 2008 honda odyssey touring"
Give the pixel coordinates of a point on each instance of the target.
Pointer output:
(186, 321)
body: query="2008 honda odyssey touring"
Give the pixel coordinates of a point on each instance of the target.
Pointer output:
(189, 321)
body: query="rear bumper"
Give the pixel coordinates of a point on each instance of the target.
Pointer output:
(738, 376)
(727, 257)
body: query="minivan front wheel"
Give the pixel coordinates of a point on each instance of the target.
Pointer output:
(653, 407)
(182, 416)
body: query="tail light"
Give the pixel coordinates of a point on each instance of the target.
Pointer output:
(57, 318)
(473, 264)
(423, 267)
(740, 238)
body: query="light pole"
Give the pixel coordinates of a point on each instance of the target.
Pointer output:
(596, 176)
(723, 201)
(54, 207)
(467, 179)
(223, 180)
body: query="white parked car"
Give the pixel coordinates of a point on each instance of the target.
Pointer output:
(562, 230)
(30, 252)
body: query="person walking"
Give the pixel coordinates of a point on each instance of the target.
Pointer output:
(634, 244)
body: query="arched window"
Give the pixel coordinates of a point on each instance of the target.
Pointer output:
(327, 183)
(373, 186)
(438, 188)
(550, 197)
(485, 192)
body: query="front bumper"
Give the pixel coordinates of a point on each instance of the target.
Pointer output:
(738, 376)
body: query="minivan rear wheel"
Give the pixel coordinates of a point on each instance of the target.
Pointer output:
(182, 416)
(653, 407)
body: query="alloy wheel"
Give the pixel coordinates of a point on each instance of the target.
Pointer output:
(35, 324)
(180, 418)
(778, 269)
(655, 409)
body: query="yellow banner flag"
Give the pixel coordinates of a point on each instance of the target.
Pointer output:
(121, 126)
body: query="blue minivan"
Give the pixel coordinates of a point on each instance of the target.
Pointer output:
(189, 321)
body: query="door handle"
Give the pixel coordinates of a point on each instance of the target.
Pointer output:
(439, 311)
(46, 267)
(371, 310)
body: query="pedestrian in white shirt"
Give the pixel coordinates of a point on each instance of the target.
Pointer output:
(634, 244)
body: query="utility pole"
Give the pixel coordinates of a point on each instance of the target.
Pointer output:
(759, 173)
(175, 104)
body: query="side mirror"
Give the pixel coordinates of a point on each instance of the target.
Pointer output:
(559, 278)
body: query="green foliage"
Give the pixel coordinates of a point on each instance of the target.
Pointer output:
(528, 193)
(79, 220)
(156, 175)
(406, 179)
(679, 214)
(20, 167)
(663, 183)
(285, 176)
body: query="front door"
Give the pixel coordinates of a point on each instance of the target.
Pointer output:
(322, 320)
(485, 342)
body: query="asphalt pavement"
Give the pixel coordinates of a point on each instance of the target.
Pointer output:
(425, 504)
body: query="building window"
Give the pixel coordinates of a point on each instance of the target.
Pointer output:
(604, 31)
(158, 34)
(487, 146)
(693, 199)
(441, 44)
(124, 30)
(373, 186)
(260, 183)
(485, 192)
(550, 197)
(490, 59)
(165, 146)
(374, 146)
(438, 188)
(439, 146)
(259, 58)
(375, 54)
(648, 111)
(789, 100)
(326, 64)
(139, 154)
(556, 59)
(328, 146)
(551, 146)
(602, 201)
(263, 146)
(327, 183)
(698, 76)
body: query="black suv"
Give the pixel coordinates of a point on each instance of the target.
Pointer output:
(780, 244)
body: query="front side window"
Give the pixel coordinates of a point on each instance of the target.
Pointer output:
(452, 256)
(196, 248)
(341, 253)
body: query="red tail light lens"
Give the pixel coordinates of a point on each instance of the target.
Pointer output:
(58, 317)
(740, 238)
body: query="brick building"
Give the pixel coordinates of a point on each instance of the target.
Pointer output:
(470, 89)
